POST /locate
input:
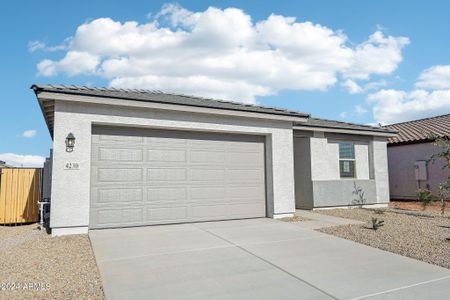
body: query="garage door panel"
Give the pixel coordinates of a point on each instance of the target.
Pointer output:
(124, 216)
(165, 142)
(167, 214)
(245, 210)
(207, 174)
(166, 174)
(209, 211)
(116, 139)
(120, 154)
(119, 174)
(166, 194)
(204, 156)
(117, 195)
(164, 177)
(245, 175)
(245, 158)
(165, 155)
(208, 193)
(245, 192)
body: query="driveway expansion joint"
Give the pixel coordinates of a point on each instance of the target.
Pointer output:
(273, 265)
(400, 288)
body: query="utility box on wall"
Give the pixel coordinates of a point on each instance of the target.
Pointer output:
(420, 169)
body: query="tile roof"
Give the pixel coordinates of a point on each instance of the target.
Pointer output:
(316, 122)
(418, 130)
(161, 97)
(169, 98)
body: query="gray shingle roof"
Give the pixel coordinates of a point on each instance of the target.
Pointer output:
(169, 98)
(418, 130)
(161, 97)
(324, 123)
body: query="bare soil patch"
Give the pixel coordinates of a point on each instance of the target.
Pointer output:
(416, 205)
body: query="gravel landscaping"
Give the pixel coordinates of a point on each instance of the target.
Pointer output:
(58, 267)
(294, 219)
(420, 235)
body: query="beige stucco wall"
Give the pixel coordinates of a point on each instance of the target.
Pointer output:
(402, 180)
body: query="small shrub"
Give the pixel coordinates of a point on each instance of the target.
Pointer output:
(360, 200)
(425, 197)
(444, 189)
(377, 223)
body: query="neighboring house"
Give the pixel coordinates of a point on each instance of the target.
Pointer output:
(142, 157)
(3, 164)
(409, 156)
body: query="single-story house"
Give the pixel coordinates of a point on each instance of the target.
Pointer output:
(137, 157)
(409, 156)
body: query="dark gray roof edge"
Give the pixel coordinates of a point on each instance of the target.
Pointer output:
(121, 94)
(333, 124)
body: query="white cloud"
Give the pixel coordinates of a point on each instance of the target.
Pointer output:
(360, 110)
(18, 160)
(352, 87)
(29, 133)
(74, 63)
(378, 55)
(222, 53)
(393, 106)
(436, 77)
(430, 98)
(41, 46)
(35, 45)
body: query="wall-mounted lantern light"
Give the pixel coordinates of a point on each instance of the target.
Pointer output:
(70, 142)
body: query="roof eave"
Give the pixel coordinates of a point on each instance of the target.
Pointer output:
(43, 109)
(345, 130)
(45, 95)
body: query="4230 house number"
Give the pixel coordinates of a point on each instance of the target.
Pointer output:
(71, 166)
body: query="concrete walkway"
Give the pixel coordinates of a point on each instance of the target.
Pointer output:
(255, 259)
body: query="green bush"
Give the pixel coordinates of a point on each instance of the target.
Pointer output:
(424, 196)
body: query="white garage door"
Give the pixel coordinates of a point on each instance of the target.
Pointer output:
(143, 177)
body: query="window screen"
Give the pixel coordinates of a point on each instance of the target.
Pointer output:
(347, 159)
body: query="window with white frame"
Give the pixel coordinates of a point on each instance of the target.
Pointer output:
(347, 164)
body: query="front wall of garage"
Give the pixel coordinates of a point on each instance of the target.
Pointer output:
(71, 188)
(145, 176)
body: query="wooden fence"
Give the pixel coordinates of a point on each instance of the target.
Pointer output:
(20, 192)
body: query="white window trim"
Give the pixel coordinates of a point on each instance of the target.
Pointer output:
(355, 176)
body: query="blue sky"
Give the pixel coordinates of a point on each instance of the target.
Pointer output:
(356, 61)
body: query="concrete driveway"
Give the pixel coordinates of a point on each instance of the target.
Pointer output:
(255, 259)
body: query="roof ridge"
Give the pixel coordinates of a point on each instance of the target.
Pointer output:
(165, 97)
(417, 120)
(417, 131)
(155, 92)
(348, 123)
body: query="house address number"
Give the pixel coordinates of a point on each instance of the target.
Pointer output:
(71, 166)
